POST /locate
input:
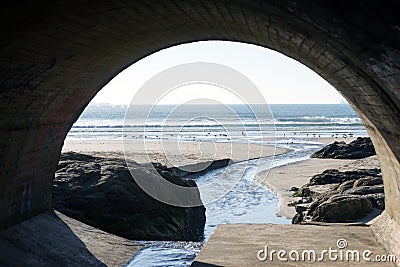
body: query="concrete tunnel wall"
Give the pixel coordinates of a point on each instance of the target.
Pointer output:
(56, 55)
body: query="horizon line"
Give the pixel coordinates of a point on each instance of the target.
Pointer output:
(188, 104)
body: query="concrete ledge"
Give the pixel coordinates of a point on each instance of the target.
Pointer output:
(53, 239)
(387, 231)
(239, 245)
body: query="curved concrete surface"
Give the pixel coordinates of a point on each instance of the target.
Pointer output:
(56, 55)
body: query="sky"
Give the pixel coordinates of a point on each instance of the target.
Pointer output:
(280, 79)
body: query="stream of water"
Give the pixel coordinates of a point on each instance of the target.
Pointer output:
(239, 205)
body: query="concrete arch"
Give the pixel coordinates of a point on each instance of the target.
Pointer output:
(55, 56)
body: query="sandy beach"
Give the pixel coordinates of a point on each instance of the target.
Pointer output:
(173, 153)
(193, 152)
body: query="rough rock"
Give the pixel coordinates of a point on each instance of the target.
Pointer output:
(340, 196)
(294, 189)
(377, 200)
(360, 148)
(298, 218)
(333, 176)
(368, 181)
(317, 190)
(342, 208)
(365, 190)
(101, 192)
(345, 186)
(195, 170)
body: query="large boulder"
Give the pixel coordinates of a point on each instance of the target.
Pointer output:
(342, 208)
(360, 148)
(101, 192)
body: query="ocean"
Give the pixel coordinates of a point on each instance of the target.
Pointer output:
(297, 127)
(219, 123)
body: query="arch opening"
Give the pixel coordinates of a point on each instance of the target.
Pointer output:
(201, 110)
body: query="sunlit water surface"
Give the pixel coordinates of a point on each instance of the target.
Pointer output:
(246, 202)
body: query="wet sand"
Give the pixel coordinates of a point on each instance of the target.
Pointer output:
(173, 153)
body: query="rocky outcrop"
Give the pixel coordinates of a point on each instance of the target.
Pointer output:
(339, 196)
(333, 176)
(360, 148)
(101, 192)
(195, 170)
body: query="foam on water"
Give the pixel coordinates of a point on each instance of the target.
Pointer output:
(196, 121)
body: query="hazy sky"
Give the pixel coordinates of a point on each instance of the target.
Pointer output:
(279, 78)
